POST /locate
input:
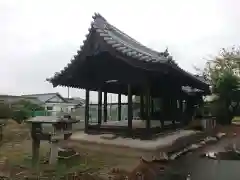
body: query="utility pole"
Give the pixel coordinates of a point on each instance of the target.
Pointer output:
(68, 92)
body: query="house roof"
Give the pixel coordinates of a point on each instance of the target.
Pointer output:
(77, 101)
(45, 96)
(126, 46)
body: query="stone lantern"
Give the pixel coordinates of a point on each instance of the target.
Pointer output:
(60, 129)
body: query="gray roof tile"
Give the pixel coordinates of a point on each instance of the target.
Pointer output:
(124, 43)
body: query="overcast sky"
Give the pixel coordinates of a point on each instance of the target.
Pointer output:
(39, 37)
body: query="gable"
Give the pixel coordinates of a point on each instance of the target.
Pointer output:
(55, 99)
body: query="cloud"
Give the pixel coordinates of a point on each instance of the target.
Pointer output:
(39, 37)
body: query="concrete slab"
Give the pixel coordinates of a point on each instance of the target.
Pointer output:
(146, 145)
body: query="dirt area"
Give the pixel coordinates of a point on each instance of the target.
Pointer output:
(16, 147)
(107, 160)
(16, 141)
(15, 154)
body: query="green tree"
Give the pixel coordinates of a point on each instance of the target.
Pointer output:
(228, 61)
(23, 109)
(26, 104)
(223, 74)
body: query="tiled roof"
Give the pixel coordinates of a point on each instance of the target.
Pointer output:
(122, 43)
(125, 45)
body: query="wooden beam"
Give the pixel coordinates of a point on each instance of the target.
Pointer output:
(119, 107)
(86, 110)
(99, 107)
(105, 107)
(130, 108)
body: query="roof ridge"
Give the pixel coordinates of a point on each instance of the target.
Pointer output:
(123, 42)
(39, 94)
(97, 15)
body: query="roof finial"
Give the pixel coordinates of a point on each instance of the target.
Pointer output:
(98, 15)
(166, 53)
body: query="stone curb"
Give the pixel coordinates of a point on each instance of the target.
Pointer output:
(192, 147)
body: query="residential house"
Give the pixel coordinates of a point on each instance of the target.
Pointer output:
(55, 103)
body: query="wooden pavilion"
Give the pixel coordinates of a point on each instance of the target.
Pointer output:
(109, 61)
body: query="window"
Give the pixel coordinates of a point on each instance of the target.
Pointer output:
(49, 108)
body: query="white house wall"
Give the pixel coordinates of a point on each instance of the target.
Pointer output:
(59, 107)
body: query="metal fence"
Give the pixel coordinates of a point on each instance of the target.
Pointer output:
(112, 112)
(79, 113)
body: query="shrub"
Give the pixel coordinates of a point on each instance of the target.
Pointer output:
(5, 111)
(20, 115)
(23, 110)
(219, 110)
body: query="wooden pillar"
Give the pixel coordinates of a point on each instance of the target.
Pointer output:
(152, 106)
(142, 107)
(105, 107)
(148, 123)
(173, 109)
(99, 107)
(180, 109)
(130, 108)
(86, 111)
(119, 107)
(165, 110)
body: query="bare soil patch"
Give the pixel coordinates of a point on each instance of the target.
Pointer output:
(15, 158)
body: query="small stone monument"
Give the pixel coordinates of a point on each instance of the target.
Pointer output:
(61, 129)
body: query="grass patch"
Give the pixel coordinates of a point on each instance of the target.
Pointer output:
(16, 154)
(16, 149)
(24, 168)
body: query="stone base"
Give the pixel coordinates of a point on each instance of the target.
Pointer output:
(136, 148)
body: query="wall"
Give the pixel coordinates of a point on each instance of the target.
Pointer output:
(58, 107)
